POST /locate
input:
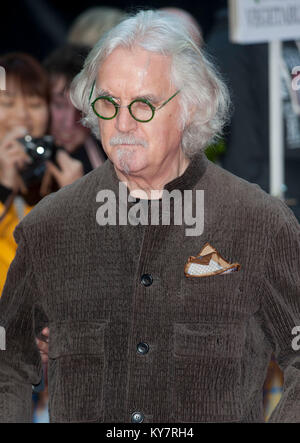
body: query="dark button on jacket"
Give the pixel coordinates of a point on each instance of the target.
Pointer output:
(147, 280)
(143, 348)
(137, 417)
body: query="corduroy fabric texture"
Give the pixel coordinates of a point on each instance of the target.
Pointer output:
(210, 339)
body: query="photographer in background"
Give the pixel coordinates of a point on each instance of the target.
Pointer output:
(24, 109)
(62, 66)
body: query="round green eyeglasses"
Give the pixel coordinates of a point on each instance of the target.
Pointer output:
(140, 109)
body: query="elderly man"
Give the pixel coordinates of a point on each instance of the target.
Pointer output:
(149, 323)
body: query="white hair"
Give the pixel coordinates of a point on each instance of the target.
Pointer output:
(201, 88)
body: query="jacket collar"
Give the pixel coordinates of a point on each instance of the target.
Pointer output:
(192, 174)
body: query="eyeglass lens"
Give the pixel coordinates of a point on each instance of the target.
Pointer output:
(139, 109)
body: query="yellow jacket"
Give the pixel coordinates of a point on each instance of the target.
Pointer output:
(8, 245)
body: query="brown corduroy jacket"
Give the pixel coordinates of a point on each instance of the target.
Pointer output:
(206, 341)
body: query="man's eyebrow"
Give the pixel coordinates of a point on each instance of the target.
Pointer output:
(147, 96)
(103, 92)
(150, 97)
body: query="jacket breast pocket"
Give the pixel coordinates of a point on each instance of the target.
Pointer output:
(207, 369)
(76, 371)
(218, 296)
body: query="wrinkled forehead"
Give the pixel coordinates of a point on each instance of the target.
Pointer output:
(136, 69)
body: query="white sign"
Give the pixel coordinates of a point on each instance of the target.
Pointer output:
(258, 21)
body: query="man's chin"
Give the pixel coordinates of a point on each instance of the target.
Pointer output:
(129, 160)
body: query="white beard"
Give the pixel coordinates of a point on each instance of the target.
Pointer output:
(124, 158)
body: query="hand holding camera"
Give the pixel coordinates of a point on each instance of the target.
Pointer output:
(68, 170)
(26, 161)
(13, 159)
(48, 160)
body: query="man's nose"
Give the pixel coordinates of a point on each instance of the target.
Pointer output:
(124, 122)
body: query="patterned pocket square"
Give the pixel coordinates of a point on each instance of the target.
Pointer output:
(208, 262)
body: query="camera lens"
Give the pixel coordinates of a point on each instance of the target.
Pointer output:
(40, 150)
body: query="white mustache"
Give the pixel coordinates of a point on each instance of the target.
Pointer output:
(127, 140)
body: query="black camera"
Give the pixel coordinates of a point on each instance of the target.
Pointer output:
(39, 150)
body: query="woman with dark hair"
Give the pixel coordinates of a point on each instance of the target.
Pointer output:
(24, 110)
(62, 66)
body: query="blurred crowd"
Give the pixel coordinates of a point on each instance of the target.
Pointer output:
(44, 146)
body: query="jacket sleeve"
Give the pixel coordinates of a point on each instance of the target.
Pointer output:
(281, 303)
(20, 363)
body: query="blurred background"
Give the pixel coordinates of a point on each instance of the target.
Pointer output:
(45, 29)
(39, 26)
